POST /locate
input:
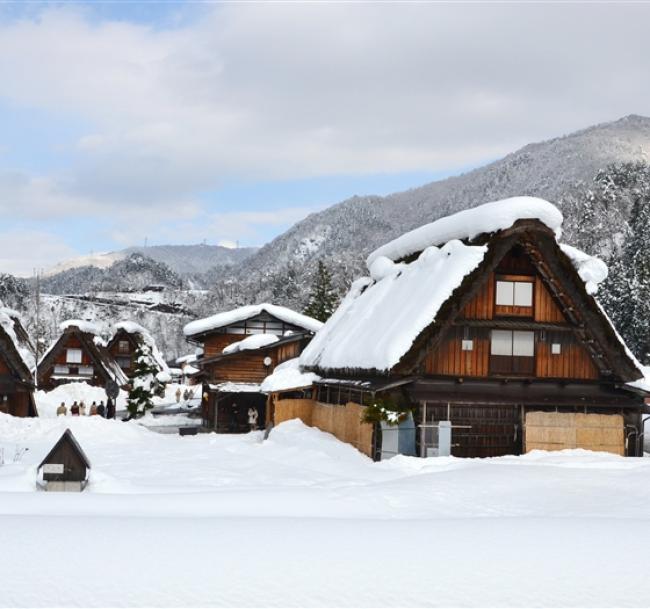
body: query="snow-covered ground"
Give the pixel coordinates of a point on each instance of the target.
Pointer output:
(304, 520)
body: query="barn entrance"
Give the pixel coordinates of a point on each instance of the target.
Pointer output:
(477, 430)
(227, 412)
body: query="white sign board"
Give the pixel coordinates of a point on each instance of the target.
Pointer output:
(53, 468)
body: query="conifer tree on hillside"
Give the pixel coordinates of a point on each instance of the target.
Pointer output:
(143, 383)
(322, 297)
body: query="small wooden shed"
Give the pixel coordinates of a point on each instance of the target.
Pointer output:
(65, 468)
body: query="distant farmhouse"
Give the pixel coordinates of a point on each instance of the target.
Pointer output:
(127, 338)
(484, 320)
(79, 354)
(16, 365)
(240, 349)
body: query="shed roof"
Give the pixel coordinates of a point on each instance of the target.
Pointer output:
(69, 438)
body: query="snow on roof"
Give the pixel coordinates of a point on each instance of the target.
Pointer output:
(592, 270)
(83, 325)
(254, 341)
(8, 320)
(379, 319)
(132, 327)
(467, 224)
(237, 387)
(287, 375)
(229, 317)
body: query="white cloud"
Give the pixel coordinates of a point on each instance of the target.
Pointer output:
(288, 90)
(24, 251)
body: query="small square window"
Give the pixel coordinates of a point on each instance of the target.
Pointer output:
(468, 345)
(556, 348)
(73, 356)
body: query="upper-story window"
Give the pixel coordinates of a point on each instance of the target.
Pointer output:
(512, 352)
(73, 356)
(123, 346)
(514, 297)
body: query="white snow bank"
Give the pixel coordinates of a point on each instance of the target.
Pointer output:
(592, 270)
(48, 401)
(254, 341)
(229, 317)
(467, 224)
(286, 376)
(378, 321)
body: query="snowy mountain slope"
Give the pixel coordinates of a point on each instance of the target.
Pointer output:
(345, 233)
(183, 259)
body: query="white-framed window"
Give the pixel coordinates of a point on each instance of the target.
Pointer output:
(123, 346)
(73, 356)
(86, 370)
(516, 343)
(60, 369)
(514, 293)
(468, 345)
(556, 348)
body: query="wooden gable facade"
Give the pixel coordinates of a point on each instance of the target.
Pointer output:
(16, 380)
(519, 336)
(78, 357)
(122, 348)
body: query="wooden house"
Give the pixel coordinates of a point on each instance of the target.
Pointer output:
(240, 348)
(127, 338)
(485, 320)
(16, 364)
(79, 355)
(65, 467)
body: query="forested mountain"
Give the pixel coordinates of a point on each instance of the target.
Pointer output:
(598, 177)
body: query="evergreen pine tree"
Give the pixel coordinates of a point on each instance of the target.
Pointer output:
(143, 383)
(322, 297)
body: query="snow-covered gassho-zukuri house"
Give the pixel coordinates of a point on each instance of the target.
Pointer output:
(240, 348)
(16, 365)
(128, 337)
(486, 320)
(79, 355)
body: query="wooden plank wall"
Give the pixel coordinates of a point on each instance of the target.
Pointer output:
(560, 430)
(545, 308)
(215, 343)
(482, 305)
(572, 362)
(240, 368)
(450, 359)
(343, 422)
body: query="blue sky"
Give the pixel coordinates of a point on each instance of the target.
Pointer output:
(179, 122)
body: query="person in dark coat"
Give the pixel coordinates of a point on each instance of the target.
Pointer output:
(110, 409)
(233, 418)
(101, 409)
(74, 409)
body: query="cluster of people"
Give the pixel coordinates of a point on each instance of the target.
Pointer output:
(78, 409)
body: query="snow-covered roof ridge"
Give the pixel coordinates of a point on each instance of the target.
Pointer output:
(82, 324)
(380, 318)
(228, 317)
(469, 223)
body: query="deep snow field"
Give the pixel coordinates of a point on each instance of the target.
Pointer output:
(302, 519)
